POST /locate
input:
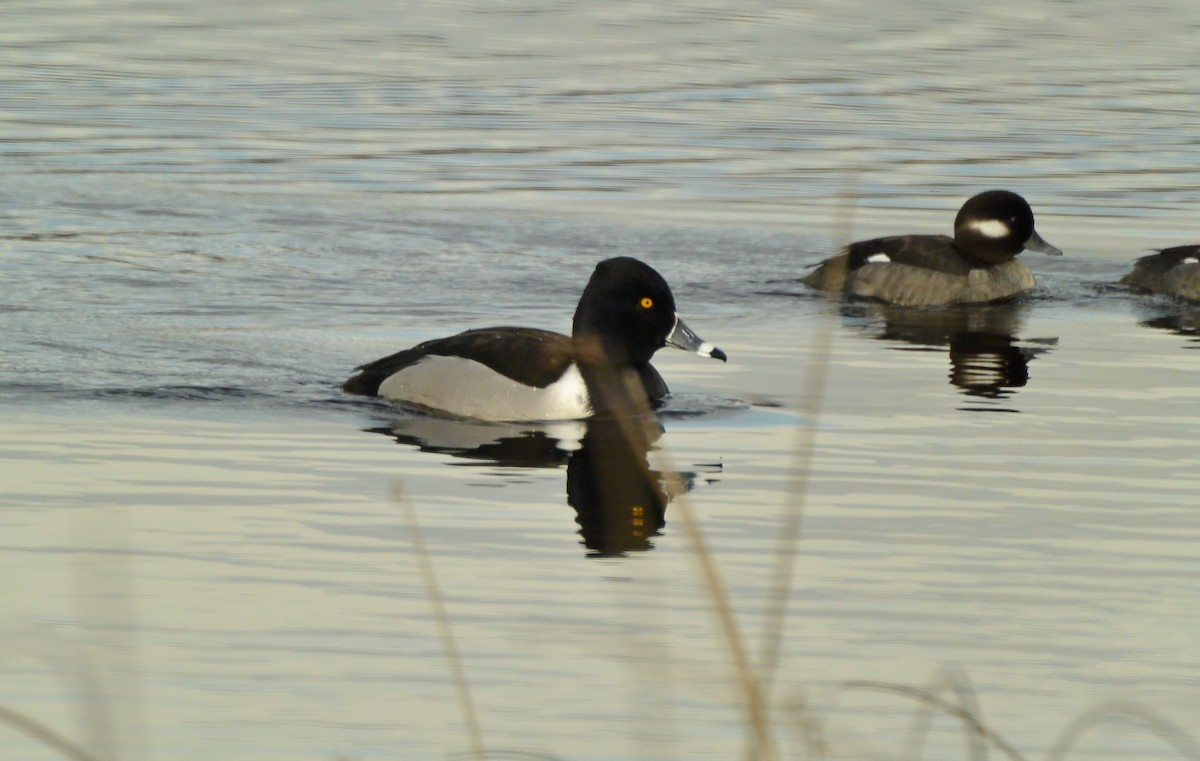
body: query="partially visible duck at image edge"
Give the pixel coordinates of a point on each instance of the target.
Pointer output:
(510, 373)
(1172, 271)
(978, 265)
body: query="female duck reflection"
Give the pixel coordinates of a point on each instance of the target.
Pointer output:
(619, 499)
(987, 359)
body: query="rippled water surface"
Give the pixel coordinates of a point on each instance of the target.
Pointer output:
(211, 212)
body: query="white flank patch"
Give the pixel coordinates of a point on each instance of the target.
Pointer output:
(878, 258)
(1190, 260)
(466, 388)
(990, 228)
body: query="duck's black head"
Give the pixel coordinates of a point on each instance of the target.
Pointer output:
(629, 309)
(994, 226)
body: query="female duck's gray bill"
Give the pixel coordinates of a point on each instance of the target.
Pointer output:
(1039, 244)
(682, 337)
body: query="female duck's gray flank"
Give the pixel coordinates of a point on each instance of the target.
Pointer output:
(1172, 271)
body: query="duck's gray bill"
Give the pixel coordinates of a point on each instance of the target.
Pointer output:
(682, 337)
(1039, 244)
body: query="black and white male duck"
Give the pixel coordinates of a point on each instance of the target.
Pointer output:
(978, 265)
(626, 312)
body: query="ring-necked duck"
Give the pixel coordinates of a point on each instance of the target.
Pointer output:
(1173, 271)
(626, 311)
(976, 266)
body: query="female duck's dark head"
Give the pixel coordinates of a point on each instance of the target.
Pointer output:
(628, 308)
(995, 226)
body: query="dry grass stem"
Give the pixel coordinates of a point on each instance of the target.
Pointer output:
(792, 521)
(791, 527)
(441, 617)
(41, 732)
(1123, 711)
(969, 719)
(956, 680)
(622, 395)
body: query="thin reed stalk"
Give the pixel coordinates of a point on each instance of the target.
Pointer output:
(972, 721)
(1120, 710)
(445, 632)
(622, 395)
(792, 519)
(958, 681)
(791, 525)
(44, 734)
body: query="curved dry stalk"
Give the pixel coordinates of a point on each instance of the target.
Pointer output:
(973, 722)
(45, 734)
(956, 680)
(1120, 710)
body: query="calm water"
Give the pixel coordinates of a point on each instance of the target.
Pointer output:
(211, 212)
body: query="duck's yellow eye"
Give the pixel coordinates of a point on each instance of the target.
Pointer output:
(647, 302)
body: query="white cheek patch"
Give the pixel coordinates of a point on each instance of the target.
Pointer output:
(990, 228)
(1190, 260)
(877, 258)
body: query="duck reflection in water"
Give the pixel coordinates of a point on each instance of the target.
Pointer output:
(1182, 319)
(987, 358)
(619, 499)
